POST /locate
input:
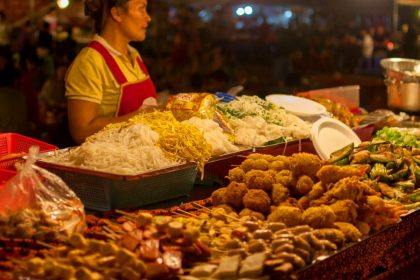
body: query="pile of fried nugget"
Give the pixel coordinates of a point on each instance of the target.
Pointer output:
(304, 190)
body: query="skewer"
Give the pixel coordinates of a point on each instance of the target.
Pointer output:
(209, 211)
(187, 213)
(111, 224)
(110, 231)
(42, 243)
(124, 213)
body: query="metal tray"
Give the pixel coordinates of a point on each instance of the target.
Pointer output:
(101, 191)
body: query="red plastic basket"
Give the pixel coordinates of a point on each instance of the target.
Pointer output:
(5, 175)
(15, 146)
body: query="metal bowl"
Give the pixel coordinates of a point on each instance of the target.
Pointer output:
(402, 69)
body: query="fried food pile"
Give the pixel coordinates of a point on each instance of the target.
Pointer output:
(303, 190)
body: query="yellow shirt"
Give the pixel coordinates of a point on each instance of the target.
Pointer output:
(89, 77)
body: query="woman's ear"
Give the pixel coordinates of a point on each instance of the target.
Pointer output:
(116, 14)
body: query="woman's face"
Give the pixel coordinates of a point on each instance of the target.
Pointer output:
(135, 20)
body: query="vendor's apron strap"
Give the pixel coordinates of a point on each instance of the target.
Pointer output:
(142, 66)
(110, 61)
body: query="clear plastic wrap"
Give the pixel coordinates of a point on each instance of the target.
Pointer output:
(38, 204)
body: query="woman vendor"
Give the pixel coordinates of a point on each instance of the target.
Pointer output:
(108, 81)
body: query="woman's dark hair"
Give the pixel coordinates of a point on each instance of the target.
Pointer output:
(98, 10)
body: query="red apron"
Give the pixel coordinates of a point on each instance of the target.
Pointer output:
(132, 95)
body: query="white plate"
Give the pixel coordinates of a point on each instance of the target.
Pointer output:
(299, 106)
(328, 135)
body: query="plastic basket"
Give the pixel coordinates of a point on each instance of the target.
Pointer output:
(15, 146)
(5, 175)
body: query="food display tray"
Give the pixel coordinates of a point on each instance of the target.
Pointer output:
(15, 146)
(101, 191)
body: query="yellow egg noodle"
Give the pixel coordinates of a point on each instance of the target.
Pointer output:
(146, 142)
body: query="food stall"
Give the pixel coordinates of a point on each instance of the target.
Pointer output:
(286, 196)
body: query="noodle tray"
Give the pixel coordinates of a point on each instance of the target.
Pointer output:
(102, 191)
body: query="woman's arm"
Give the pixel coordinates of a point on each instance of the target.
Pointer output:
(84, 120)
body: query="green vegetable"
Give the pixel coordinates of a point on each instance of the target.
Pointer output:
(280, 140)
(413, 206)
(414, 197)
(379, 171)
(341, 153)
(397, 137)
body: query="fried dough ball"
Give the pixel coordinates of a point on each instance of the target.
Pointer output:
(251, 213)
(279, 194)
(257, 200)
(286, 178)
(304, 184)
(319, 216)
(257, 179)
(305, 164)
(254, 164)
(218, 196)
(345, 210)
(278, 165)
(349, 230)
(267, 157)
(236, 174)
(289, 215)
(234, 193)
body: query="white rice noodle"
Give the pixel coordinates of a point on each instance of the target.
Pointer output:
(128, 151)
(214, 135)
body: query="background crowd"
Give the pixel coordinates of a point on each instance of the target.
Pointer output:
(188, 53)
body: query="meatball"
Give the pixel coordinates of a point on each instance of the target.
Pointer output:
(278, 165)
(305, 164)
(257, 200)
(257, 179)
(251, 213)
(304, 184)
(218, 196)
(236, 174)
(289, 215)
(319, 216)
(234, 193)
(279, 194)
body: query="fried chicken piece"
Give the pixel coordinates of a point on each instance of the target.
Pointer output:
(350, 231)
(251, 213)
(348, 188)
(257, 179)
(363, 227)
(254, 164)
(333, 173)
(305, 164)
(333, 235)
(304, 184)
(286, 178)
(234, 193)
(257, 200)
(218, 196)
(344, 210)
(375, 203)
(386, 190)
(290, 216)
(319, 216)
(236, 174)
(279, 194)
(316, 192)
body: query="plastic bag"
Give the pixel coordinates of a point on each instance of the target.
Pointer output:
(187, 105)
(38, 204)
